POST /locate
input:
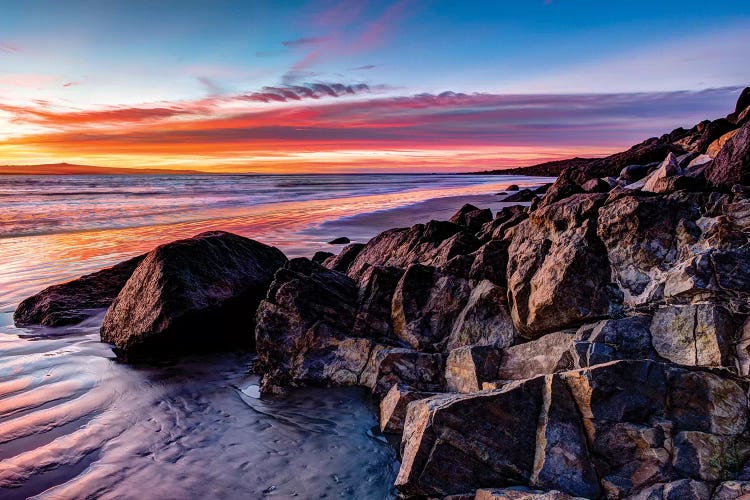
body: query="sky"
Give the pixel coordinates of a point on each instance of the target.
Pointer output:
(358, 86)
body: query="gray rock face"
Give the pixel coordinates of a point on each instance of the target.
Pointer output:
(212, 282)
(693, 335)
(613, 339)
(394, 405)
(548, 354)
(69, 303)
(558, 274)
(396, 366)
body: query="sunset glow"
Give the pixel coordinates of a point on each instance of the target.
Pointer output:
(336, 87)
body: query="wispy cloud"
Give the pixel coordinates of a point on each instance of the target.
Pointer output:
(363, 68)
(305, 42)
(9, 47)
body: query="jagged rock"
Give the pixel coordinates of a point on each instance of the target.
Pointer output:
(521, 196)
(702, 456)
(732, 164)
(425, 305)
(743, 102)
(512, 187)
(547, 289)
(472, 217)
(434, 243)
(743, 349)
(320, 257)
(394, 404)
(520, 493)
(693, 335)
(563, 187)
(670, 167)
(455, 443)
(344, 259)
(375, 295)
(542, 189)
(548, 354)
(698, 161)
(504, 220)
(641, 234)
(490, 263)
(393, 366)
(633, 173)
(595, 186)
(303, 332)
(342, 240)
(707, 402)
(683, 489)
(212, 282)
(613, 339)
(468, 367)
(71, 302)
(716, 146)
(732, 490)
(484, 320)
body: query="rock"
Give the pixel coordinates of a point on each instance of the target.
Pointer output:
(712, 132)
(454, 443)
(703, 456)
(472, 217)
(542, 189)
(562, 188)
(505, 218)
(434, 243)
(732, 164)
(467, 367)
(683, 489)
(732, 490)
(641, 236)
(484, 320)
(321, 257)
(393, 366)
(595, 186)
(613, 339)
(546, 289)
(375, 295)
(670, 167)
(212, 282)
(425, 305)
(707, 402)
(512, 187)
(633, 173)
(343, 240)
(743, 102)
(743, 349)
(71, 302)
(394, 404)
(693, 335)
(304, 327)
(344, 259)
(548, 354)
(520, 493)
(523, 195)
(490, 263)
(716, 146)
(698, 161)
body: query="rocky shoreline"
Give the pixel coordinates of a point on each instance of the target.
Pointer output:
(593, 343)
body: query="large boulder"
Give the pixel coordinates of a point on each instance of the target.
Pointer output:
(420, 371)
(304, 330)
(558, 273)
(434, 243)
(732, 163)
(425, 305)
(72, 302)
(344, 259)
(548, 354)
(394, 405)
(468, 367)
(472, 217)
(198, 293)
(374, 297)
(642, 234)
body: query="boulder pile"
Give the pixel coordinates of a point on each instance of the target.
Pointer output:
(592, 344)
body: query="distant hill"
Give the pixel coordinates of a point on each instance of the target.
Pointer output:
(71, 169)
(548, 169)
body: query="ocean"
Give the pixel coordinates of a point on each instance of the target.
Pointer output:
(75, 422)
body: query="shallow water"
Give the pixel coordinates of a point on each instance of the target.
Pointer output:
(74, 422)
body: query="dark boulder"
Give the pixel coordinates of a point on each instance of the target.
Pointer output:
(732, 164)
(743, 103)
(343, 240)
(522, 196)
(512, 187)
(595, 186)
(344, 259)
(321, 257)
(198, 293)
(71, 302)
(633, 173)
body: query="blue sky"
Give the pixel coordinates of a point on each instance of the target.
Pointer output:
(87, 55)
